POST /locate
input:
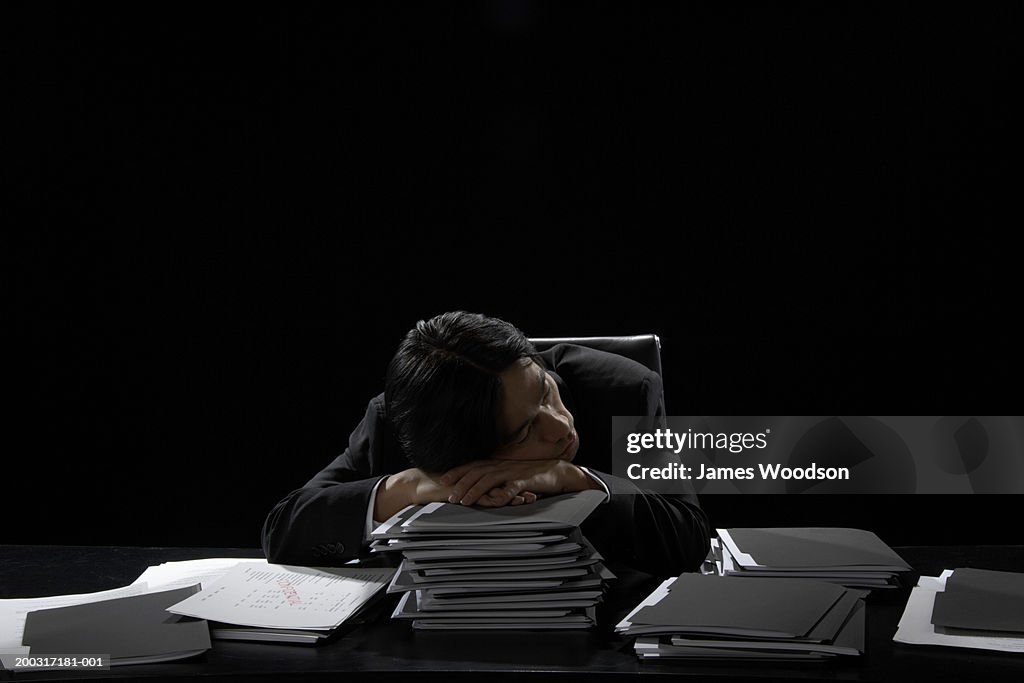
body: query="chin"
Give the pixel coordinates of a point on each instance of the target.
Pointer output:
(572, 452)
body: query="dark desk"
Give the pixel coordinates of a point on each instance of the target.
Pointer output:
(392, 651)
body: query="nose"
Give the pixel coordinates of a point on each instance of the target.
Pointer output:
(554, 425)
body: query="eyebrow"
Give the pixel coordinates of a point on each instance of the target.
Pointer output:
(543, 388)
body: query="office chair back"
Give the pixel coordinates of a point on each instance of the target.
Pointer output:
(643, 348)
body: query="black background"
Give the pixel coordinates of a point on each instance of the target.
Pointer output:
(226, 218)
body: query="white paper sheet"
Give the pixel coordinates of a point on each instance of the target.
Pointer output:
(285, 596)
(741, 558)
(654, 598)
(190, 572)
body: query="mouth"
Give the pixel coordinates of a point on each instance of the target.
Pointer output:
(568, 446)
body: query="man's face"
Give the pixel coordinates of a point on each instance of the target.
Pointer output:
(535, 423)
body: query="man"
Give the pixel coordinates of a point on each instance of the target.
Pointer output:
(472, 414)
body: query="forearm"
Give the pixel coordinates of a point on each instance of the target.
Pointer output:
(399, 491)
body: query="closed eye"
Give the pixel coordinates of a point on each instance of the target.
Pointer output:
(545, 399)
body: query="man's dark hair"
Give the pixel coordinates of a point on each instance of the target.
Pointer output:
(443, 393)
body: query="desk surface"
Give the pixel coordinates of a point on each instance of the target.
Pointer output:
(385, 649)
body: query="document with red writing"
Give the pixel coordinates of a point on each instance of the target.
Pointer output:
(285, 596)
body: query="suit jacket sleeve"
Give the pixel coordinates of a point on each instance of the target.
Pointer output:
(661, 534)
(323, 522)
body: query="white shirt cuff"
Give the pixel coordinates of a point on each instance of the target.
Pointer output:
(604, 486)
(371, 523)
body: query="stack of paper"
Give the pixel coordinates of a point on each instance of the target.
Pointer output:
(260, 601)
(966, 607)
(699, 617)
(850, 557)
(521, 567)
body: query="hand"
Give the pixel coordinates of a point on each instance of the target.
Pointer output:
(495, 482)
(416, 487)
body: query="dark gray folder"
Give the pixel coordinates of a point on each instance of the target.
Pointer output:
(134, 629)
(817, 547)
(981, 599)
(853, 633)
(757, 607)
(826, 630)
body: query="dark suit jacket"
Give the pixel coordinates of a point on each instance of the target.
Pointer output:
(323, 522)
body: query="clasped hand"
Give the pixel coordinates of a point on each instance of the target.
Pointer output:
(489, 483)
(495, 482)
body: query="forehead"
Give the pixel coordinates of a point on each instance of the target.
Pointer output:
(522, 386)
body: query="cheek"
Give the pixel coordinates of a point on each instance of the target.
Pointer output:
(567, 415)
(527, 451)
(560, 407)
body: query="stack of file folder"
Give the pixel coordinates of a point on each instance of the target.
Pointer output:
(849, 557)
(716, 618)
(521, 567)
(966, 607)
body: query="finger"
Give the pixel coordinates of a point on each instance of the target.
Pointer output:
(511, 491)
(503, 494)
(467, 481)
(488, 501)
(483, 487)
(495, 479)
(456, 473)
(499, 498)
